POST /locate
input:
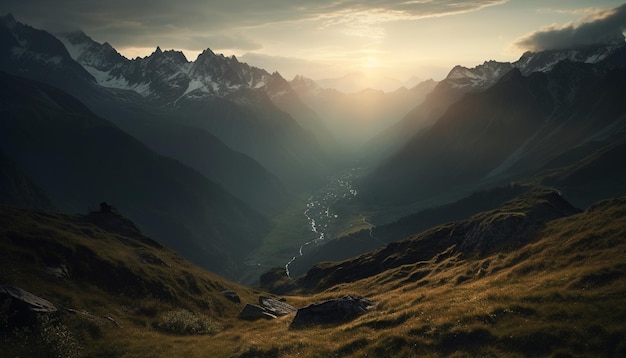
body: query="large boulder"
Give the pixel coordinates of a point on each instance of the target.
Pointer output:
(23, 307)
(333, 311)
(27, 300)
(253, 312)
(276, 307)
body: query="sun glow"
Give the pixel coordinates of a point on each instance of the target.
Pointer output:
(371, 62)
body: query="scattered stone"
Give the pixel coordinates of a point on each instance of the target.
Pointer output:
(147, 257)
(276, 307)
(231, 295)
(254, 312)
(57, 271)
(112, 320)
(333, 311)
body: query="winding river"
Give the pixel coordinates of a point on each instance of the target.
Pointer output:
(319, 211)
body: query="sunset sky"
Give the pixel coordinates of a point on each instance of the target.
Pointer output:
(330, 38)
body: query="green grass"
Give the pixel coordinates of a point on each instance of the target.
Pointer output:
(290, 230)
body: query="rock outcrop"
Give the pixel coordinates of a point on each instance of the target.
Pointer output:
(27, 300)
(253, 312)
(231, 295)
(333, 311)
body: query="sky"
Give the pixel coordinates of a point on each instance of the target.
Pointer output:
(321, 39)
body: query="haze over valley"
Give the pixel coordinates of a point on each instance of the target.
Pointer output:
(255, 190)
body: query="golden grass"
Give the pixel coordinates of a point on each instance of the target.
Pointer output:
(561, 295)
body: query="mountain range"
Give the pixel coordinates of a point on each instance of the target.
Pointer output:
(482, 215)
(462, 80)
(79, 160)
(517, 128)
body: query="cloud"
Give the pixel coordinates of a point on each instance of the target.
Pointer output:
(170, 23)
(602, 27)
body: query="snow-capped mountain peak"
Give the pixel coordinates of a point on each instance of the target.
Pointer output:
(165, 75)
(546, 60)
(479, 77)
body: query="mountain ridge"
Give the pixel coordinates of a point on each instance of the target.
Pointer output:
(79, 160)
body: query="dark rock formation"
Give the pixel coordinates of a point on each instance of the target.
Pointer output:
(254, 312)
(27, 300)
(231, 295)
(332, 311)
(276, 307)
(23, 307)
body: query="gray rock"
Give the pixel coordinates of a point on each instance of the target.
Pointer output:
(254, 312)
(333, 311)
(27, 300)
(147, 257)
(60, 271)
(276, 307)
(231, 295)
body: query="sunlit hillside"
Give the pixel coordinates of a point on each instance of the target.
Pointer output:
(561, 293)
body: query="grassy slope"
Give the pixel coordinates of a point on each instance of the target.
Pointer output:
(563, 293)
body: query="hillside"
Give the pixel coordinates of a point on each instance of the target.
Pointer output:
(113, 287)
(555, 289)
(515, 129)
(79, 160)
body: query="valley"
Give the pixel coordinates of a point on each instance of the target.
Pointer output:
(320, 212)
(162, 206)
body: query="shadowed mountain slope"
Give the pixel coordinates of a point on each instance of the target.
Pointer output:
(16, 189)
(79, 160)
(511, 131)
(109, 283)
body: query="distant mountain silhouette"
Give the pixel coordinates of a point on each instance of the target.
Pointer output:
(217, 94)
(511, 131)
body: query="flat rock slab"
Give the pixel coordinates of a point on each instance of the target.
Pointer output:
(27, 300)
(276, 307)
(333, 311)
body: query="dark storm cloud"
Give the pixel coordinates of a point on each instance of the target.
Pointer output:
(182, 23)
(605, 27)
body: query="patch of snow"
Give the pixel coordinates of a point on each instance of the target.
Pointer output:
(195, 84)
(104, 79)
(75, 50)
(54, 60)
(143, 89)
(277, 94)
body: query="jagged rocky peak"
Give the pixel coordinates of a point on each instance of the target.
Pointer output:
(479, 77)
(76, 37)
(176, 56)
(488, 69)
(276, 85)
(301, 84)
(8, 20)
(89, 53)
(543, 61)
